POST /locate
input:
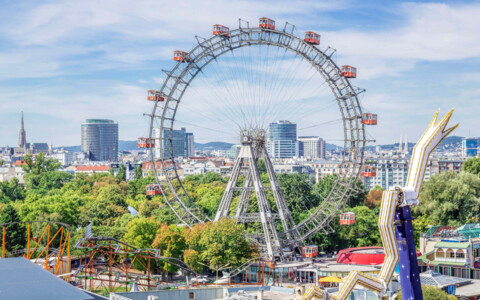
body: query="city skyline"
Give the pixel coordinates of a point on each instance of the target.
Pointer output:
(408, 67)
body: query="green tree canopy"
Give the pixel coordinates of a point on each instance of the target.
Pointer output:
(66, 205)
(122, 173)
(42, 174)
(171, 242)
(138, 172)
(297, 191)
(105, 208)
(11, 191)
(14, 233)
(431, 293)
(450, 198)
(220, 243)
(141, 232)
(472, 165)
(326, 184)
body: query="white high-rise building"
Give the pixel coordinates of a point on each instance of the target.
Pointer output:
(311, 146)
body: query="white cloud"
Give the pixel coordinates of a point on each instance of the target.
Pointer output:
(59, 40)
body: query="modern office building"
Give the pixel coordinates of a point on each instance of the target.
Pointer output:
(469, 147)
(189, 144)
(100, 139)
(311, 147)
(179, 142)
(282, 140)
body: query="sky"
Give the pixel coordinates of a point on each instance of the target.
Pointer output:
(62, 62)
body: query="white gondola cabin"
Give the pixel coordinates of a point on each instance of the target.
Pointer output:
(349, 71)
(347, 218)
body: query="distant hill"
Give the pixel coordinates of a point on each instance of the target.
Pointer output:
(127, 145)
(213, 146)
(448, 142)
(122, 146)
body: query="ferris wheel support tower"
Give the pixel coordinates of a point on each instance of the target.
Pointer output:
(253, 148)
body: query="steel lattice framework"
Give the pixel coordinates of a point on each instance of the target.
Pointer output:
(178, 80)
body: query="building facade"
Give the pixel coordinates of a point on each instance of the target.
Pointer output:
(189, 144)
(100, 139)
(311, 147)
(282, 140)
(469, 147)
(175, 143)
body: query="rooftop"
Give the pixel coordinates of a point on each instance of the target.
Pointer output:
(22, 279)
(456, 245)
(434, 278)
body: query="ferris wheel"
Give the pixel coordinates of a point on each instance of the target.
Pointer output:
(232, 86)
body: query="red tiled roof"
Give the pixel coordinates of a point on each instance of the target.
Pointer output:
(20, 163)
(93, 168)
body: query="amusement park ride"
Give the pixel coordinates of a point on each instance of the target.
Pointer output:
(280, 238)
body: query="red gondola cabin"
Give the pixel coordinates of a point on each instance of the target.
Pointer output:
(347, 218)
(221, 30)
(266, 23)
(312, 38)
(155, 96)
(146, 143)
(349, 72)
(369, 119)
(153, 189)
(181, 56)
(310, 251)
(369, 171)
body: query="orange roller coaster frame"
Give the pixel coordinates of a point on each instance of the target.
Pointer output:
(63, 234)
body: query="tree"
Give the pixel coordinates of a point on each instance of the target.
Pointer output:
(11, 191)
(67, 205)
(472, 165)
(450, 198)
(374, 197)
(220, 243)
(297, 191)
(326, 184)
(122, 173)
(207, 177)
(35, 167)
(171, 242)
(138, 172)
(138, 186)
(105, 208)
(365, 230)
(15, 233)
(141, 232)
(430, 292)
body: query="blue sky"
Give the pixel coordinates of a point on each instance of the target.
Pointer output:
(64, 61)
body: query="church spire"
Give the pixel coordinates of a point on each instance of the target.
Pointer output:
(22, 138)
